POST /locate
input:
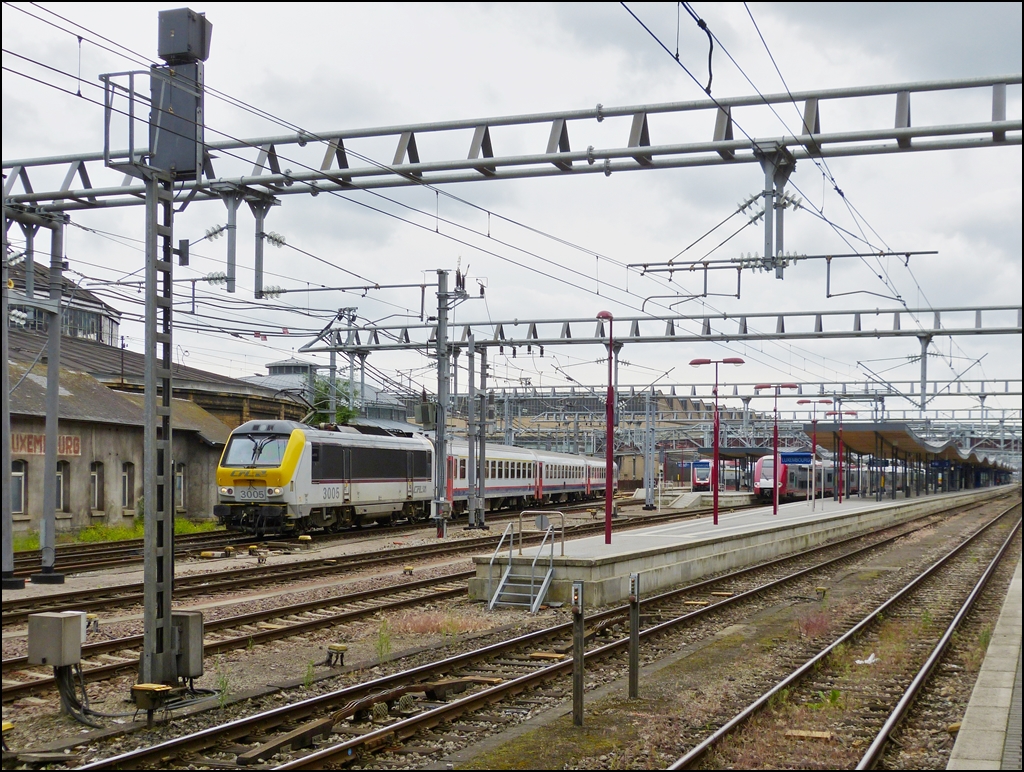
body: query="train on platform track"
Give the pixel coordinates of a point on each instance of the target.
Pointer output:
(283, 477)
(794, 478)
(701, 475)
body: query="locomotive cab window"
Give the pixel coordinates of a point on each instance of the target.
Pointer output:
(246, 450)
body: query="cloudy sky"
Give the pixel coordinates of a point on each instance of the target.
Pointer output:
(559, 247)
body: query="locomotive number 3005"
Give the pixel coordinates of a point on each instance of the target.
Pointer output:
(331, 492)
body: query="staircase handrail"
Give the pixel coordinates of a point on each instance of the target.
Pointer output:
(509, 529)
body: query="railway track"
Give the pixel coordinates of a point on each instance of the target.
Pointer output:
(16, 610)
(823, 693)
(79, 557)
(106, 658)
(76, 558)
(387, 712)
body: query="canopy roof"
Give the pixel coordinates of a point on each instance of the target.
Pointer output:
(888, 438)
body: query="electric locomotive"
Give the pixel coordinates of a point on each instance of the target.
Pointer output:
(284, 476)
(280, 477)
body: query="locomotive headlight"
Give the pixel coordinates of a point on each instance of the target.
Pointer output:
(227, 491)
(275, 491)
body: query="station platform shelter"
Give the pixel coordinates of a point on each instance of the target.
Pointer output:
(888, 457)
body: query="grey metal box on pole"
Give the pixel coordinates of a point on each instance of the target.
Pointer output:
(55, 638)
(188, 632)
(183, 36)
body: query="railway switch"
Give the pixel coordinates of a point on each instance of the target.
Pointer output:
(55, 638)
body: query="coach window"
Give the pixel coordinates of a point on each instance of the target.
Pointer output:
(127, 485)
(19, 473)
(96, 486)
(63, 483)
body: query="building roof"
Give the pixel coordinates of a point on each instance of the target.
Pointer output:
(80, 297)
(292, 362)
(187, 415)
(83, 398)
(109, 364)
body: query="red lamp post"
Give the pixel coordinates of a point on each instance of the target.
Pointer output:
(775, 439)
(714, 466)
(609, 457)
(841, 413)
(814, 443)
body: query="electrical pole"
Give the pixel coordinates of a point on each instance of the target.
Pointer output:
(482, 423)
(471, 431)
(440, 507)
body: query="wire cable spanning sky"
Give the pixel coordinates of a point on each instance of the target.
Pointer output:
(558, 247)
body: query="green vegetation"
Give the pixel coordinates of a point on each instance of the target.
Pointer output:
(382, 646)
(222, 688)
(985, 638)
(307, 679)
(23, 542)
(322, 401)
(123, 532)
(831, 699)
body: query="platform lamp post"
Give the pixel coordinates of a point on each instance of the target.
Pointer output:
(814, 444)
(609, 453)
(777, 387)
(715, 470)
(841, 413)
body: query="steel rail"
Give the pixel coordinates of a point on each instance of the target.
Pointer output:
(276, 716)
(430, 718)
(695, 753)
(15, 690)
(874, 752)
(102, 559)
(17, 611)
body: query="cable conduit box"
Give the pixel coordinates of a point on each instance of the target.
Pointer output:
(188, 642)
(55, 638)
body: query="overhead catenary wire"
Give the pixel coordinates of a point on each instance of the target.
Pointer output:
(502, 257)
(840, 231)
(532, 269)
(826, 173)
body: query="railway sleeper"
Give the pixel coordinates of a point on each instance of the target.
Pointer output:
(360, 709)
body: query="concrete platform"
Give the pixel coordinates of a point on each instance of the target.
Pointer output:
(683, 498)
(669, 555)
(990, 734)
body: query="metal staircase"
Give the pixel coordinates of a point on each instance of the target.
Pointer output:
(520, 585)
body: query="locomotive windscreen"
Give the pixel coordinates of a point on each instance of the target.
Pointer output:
(255, 450)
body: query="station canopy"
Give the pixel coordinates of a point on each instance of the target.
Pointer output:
(753, 452)
(888, 438)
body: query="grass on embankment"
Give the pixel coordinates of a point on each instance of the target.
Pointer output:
(98, 533)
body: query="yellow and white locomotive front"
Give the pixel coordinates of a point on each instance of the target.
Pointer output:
(278, 477)
(256, 477)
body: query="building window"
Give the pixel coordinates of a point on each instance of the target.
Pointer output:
(127, 485)
(179, 486)
(19, 474)
(63, 486)
(96, 500)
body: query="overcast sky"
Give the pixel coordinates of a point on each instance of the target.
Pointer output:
(344, 66)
